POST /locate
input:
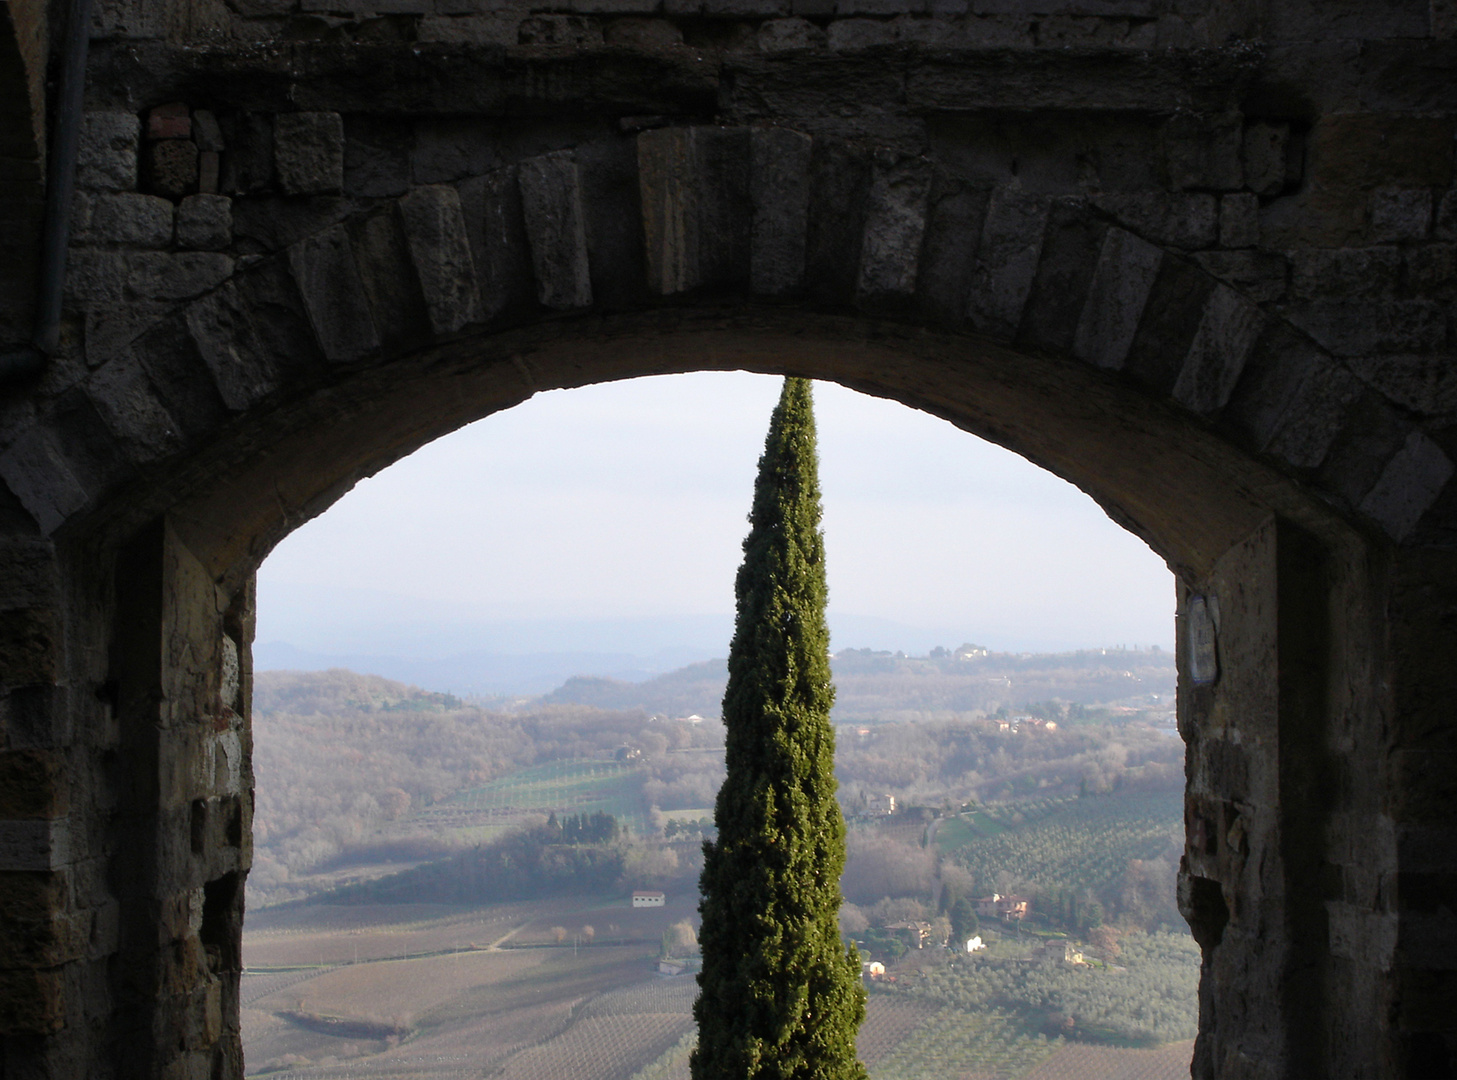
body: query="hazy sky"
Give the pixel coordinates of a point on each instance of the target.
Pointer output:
(629, 500)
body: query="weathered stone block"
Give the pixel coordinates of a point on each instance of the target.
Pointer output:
(500, 251)
(1182, 221)
(1409, 485)
(895, 222)
(29, 640)
(170, 121)
(1308, 428)
(34, 844)
(640, 33)
(784, 35)
(107, 157)
(1446, 223)
(179, 276)
(1265, 148)
(1342, 273)
(37, 473)
(1362, 327)
(1127, 267)
(33, 783)
(205, 222)
(132, 219)
(377, 154)
(1218, 353)
(222, 328)
(1424, 383)
(450, 149)
(207, 133)
(328, 280)
(1006, 261)
(670, 220)
(32, 577)
(779, 163)
(308, 152)
(1431, 271)
(1136, 8)
(1204, 152)
(32, 1001)
(551, 203)
(854, 35)
(559, 30)
(1399, 214)
(1239, 220)
(435, 226)
(1260, 275)
(136, 418)
(171, 167)
(391, 285)
(493, 29)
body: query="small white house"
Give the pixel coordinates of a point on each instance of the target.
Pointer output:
(975, 944)
(648, 899)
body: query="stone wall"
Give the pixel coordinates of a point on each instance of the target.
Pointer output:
(1196, 258)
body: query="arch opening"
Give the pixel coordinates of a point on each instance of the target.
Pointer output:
(1226, 524)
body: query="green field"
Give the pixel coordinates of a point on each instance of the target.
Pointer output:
(581, 786)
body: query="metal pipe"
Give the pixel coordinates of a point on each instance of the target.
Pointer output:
(60, 185)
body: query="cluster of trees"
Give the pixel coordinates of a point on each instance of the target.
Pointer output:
(338, 756)
(598, 828)
(525, 864)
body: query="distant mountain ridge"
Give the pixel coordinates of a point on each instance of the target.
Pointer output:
(883, 685)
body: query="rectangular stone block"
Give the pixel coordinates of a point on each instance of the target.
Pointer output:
(1218, 352)
(955, 209)
(840, 177)
(779, 179)
(107, 157)
(32, 1001)
(1260, 275)
(1265, 149)
(205, 222)
(895, 223)
(391, 285)
(1344, 273)
(500, 251)
(132, 412)
(1203, 151)
(38, 474)
(1363, 327)
(551, 203)
(435, 226)
(222, 327)
(1239, 220)
(31, 576)
(1122, 281)
(308, 152)
(1409, 485)
(35, 844)
(33, 783)
(1071, 246)
(132, 219)
(1399, 214)
(328, 280)
(1188, 221)
(1006, 261)
(159, 275)
(670, 220)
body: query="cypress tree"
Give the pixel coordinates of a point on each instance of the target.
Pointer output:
(780, 995)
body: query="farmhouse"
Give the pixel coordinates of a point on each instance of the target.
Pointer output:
(1003, 907)
(648, 899)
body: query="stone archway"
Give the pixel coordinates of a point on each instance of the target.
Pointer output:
(220, 394)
